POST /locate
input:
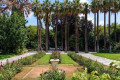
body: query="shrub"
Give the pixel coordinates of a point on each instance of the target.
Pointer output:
(10, 69)
(91, 65)
(94, 75)
(55, 55)
(53, 75)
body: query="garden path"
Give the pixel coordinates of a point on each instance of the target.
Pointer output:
(102, 60)
(10, 60)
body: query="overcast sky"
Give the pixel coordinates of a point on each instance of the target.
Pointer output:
(33, 21)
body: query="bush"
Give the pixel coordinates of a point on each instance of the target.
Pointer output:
(94, 75)
(53, 75)
(55, 55)
(96, 66)
(29, 60)
(10, 69)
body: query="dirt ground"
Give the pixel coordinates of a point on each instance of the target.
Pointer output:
(35, 72)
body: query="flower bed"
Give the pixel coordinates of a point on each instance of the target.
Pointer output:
(95, 66)
(10, 69)
(56, 55)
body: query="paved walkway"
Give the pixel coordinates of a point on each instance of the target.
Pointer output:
(4, 61)
(102, 60)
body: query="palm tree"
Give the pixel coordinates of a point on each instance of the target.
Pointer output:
(94, 10)
(47, 10)
(104, 10)
(109, 4)
(56, 8)
(37, 9)
(86, 11)
(66, 11)
(76, 8)
(115, 9)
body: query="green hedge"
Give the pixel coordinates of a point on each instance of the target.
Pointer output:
(11, 69)
(94, 65)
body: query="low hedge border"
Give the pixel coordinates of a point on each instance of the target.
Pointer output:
(94, 65)
(11, 69)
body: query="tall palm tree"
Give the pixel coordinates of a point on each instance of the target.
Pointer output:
(76, 8)
(94, 10)
(66, 11)
(104, 10)
(109, 4)
(56, 8)
(95, 5)
(115, 9)
(86, 11)
(37, 9)
(47, 10)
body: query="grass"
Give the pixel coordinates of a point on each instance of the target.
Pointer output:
(108, 56)
(67, 60)
(43, 61)
(3, 56)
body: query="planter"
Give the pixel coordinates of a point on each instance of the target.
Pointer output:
(54, 63)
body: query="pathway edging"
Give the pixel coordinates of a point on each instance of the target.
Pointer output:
(102, 60)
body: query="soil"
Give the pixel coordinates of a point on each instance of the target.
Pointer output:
(36, 71)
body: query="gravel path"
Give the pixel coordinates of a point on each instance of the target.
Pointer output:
(10, 60)
(102, 60)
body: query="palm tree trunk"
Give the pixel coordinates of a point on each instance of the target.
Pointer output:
(115, 29)
(104, 30)
(56, 34)
(76, 32)
(66, 35)
(46, 33)
(98, 31)
(95, 31)
(109, 34)
(61, 36)
(40, 35)
(86, 39)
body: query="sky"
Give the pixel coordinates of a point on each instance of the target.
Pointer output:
(33, 21)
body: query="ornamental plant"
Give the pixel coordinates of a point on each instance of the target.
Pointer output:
(55, 55)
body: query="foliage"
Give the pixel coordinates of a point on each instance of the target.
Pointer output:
(32, 37)
(91, 65)
(95, 66)
(56, 55)
(93, 76)
(10, 69)
(53, 75)
(29, 60)
(12, 33)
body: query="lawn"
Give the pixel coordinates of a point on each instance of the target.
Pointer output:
(67, 60)
(108, 55)
(3, 56)
(43, 61)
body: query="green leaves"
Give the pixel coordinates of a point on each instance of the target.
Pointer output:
(12, 33)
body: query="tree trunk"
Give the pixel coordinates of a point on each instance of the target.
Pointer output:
(104, 30)
(40, 35)
(66, 35)
(46, 33)
(86, 36)
(109, 34)
(115, 29)
(61, 36)
(98, 31)
(76, 32)
(56, 34)
(95, 31)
